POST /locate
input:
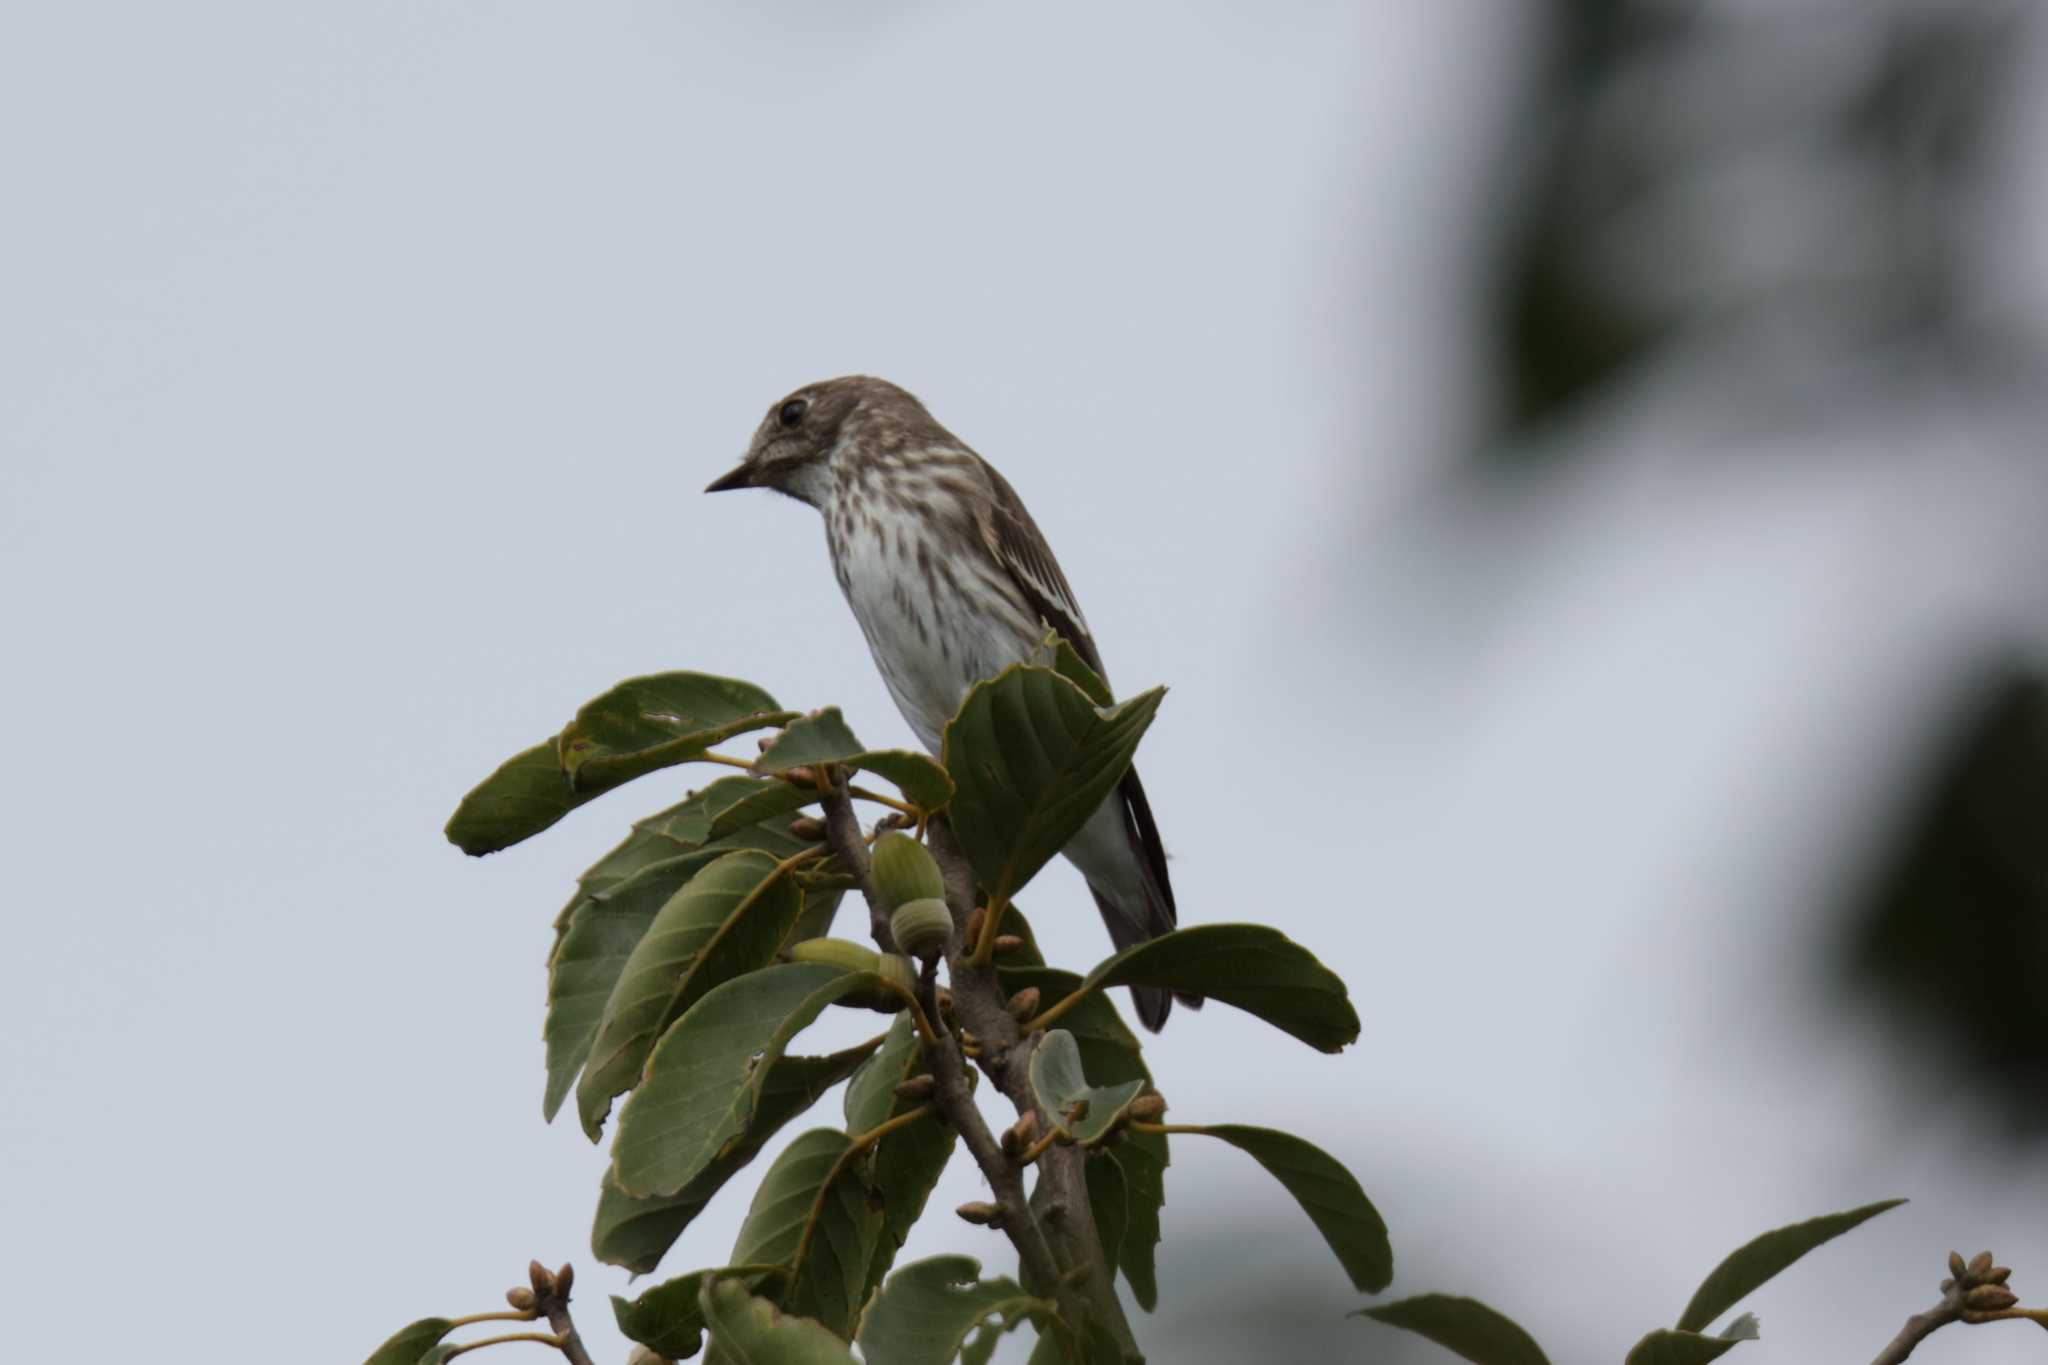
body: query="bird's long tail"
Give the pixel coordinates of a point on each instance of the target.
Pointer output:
(1137, 902)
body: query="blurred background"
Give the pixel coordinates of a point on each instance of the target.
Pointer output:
(1580, 467)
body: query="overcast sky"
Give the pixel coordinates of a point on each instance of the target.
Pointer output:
(362, 370)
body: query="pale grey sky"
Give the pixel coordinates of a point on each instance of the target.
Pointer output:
(363, 364)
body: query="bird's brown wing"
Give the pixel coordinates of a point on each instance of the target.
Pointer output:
(1015, 542)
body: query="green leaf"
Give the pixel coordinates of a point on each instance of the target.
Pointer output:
(1757, 1261)
(579, 988)
(924, 1314)
(729, 919)
(814, 1211)
(871, 1094)
(704, 1078)
(823, 737)
(629, 731)
(636, 1233)
(594, 948)
(753, 1332)
(669, 1318)
(906, 1163)
(1140, 1166)
(821, 904)
(1107, 1201)
(1032, 758)
(525, 795)
(1086, 1113)
(983, 1345)
(1066, 661)
(1465, 1327)
(411, 1342)
(770, 801)
(1666, 1346)
(682, 828)
(1327, 1193)
(655, 722)
(1257, 969)
(1110, 1052)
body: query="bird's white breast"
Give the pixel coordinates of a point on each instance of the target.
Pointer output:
(931, 639)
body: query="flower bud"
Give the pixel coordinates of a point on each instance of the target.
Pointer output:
(904, 872)
(917, 1089)
(971, 931)
(1148, 1108)
(809, 828)
(542, 1282)
(1989, 1298)
(1008, 943)
(921, 927)
(980, 1213)
(1979, 1264)
(1020, 1135)
(520, 1297)
(564, 1277)
(1956, 1267)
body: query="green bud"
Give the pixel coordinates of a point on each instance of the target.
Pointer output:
(837, 952)
(922, 926)
(905, 872)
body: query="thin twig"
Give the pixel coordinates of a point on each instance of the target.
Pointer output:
(551, 1297)
(542, 1337)
(515, 1315)
(1921, 1326)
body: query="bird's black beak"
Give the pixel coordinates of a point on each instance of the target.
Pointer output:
(741, 477)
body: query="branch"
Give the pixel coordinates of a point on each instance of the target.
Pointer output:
(978, 1002)
(843, 834)
(551, 1300)
(1975, 1292)
(1921, 1326)
(1056, 1246)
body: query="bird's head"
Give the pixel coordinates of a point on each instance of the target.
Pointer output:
(806, 431)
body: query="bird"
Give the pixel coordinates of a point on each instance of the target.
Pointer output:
(952, 582)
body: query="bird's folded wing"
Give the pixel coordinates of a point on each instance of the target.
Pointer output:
(1017, 545)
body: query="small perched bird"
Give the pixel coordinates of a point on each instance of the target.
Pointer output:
(951, 582)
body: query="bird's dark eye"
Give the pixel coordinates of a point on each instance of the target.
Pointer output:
(792, 412)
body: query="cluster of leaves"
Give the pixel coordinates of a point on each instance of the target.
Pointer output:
(672, 984)
(1485, 1337)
